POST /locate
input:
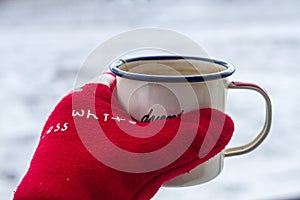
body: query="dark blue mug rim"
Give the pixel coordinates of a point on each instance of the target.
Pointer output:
(114, 68)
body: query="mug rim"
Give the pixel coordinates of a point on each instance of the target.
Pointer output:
(114, 68)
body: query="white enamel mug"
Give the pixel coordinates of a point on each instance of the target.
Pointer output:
(163, 87)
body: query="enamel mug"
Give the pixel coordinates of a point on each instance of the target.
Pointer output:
(162, 87)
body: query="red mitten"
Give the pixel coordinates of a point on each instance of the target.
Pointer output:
(91, 149)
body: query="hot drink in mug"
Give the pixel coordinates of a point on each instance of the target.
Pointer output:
(163, 87)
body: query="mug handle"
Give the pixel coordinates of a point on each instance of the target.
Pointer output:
(266, 128)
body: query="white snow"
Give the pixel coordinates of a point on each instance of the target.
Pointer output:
(44, 43)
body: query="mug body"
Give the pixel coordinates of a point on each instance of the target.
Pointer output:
(201, 174)
(138, 98)
(160, 88)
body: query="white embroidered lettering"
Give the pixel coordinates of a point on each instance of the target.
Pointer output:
(75, 113)
(57, 127)
(90, 114)
(49, 130)
(65, 127)
(117, 118)
(105, 117)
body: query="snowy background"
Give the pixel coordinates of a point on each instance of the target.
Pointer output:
(44, 43)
